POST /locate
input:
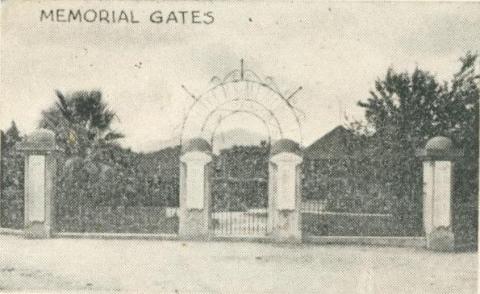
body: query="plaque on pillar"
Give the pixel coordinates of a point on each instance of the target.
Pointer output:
(195, 181)
(286, 186)
(36, 187)
(442, 198)
(195, 185)
(428, 169)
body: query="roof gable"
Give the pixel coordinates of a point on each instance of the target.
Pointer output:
(333, 145)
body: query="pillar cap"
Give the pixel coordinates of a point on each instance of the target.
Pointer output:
(439, 143)
(39, 140)
(285, 145)
(439, 148)
(196, 144)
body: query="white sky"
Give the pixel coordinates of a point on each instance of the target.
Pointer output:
(334, 50)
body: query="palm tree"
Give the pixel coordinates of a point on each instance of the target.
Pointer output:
(81, 121)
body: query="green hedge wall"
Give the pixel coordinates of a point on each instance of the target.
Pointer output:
(12, 182)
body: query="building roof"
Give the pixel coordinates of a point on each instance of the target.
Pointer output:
(333, 145)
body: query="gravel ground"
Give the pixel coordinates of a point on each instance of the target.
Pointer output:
(173, 266)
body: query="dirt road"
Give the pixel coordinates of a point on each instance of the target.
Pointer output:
(174, 266)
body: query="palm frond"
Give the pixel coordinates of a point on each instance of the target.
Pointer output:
(113, 136)
(62, 105)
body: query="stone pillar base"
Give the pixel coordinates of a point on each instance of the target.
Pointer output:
(36, 230)
(194, 226)
(287, 227)
(441, 239)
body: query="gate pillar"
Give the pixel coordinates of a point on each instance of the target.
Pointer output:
(40, 172)
(195, 199)
(284, 192)
(438, 160)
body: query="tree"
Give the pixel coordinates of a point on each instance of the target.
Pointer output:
(462, 102)
(405, 110)
(11, 136)
(81, 121)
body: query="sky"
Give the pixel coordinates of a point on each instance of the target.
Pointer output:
(335, 51)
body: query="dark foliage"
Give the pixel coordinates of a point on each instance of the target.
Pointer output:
(12, 180)
(112, 179)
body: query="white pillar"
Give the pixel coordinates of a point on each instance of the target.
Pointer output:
(40, 173)
(195, 202)
(438, 164)
(285, 192)
(1, 176)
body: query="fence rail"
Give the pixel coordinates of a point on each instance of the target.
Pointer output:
(240, 223)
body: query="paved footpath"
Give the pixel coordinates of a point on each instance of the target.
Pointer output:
(211, 267)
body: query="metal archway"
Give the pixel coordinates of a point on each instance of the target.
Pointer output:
(242, 90)
(219, 108)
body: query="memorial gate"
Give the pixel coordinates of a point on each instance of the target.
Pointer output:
(266, 192)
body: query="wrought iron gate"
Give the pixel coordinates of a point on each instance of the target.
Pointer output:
(240, 178)
(240, 192)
